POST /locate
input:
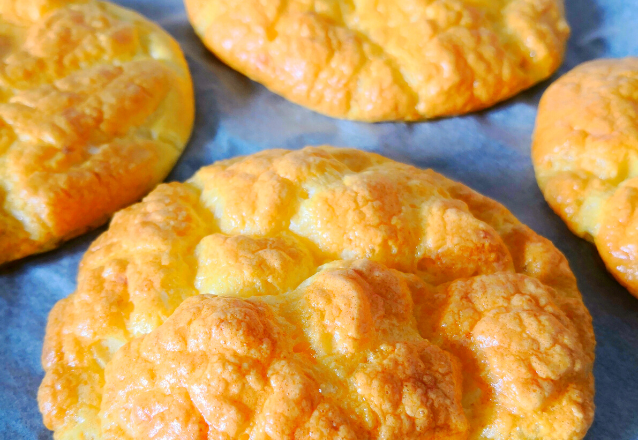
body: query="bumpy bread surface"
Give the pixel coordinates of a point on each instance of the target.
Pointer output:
(96, 104)
(376, 60)
(324, 293)
(585, 154)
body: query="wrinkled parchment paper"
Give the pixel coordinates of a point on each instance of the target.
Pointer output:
(489, 151)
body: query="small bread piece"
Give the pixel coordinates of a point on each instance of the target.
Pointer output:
(96, 105)
(585, 154)
(326, 293)
(379, 60)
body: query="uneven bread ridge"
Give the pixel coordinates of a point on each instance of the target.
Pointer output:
(345, 310)
(384, 60)
(280, 393)
(96, 104)
(584, 148)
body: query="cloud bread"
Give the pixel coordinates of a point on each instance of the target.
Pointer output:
(323, 293)
(385, 59)
(96, 105)
(585, 154)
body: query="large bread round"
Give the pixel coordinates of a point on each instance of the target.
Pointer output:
(96, 105)
(584, 155)
(377, 60)
(319, 294)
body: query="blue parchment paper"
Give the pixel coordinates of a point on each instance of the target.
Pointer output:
(489, 151)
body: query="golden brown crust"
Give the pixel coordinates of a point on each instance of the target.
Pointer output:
(584, 149)
(96, 104)
(387, 60)
(321, 293)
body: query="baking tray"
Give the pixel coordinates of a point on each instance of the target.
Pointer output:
(489, 151)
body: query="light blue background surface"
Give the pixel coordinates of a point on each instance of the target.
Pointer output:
(489, 151)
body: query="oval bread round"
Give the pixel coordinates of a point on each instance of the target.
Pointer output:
(585, 154)
(325, 293)
(377, 60)
(96, 105)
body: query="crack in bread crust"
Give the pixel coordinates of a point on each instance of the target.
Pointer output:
(320, 293)
(96, 104)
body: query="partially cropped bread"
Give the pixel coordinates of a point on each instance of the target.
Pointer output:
(584, 154)
(96, 105)
(324, 293)
(377, 60)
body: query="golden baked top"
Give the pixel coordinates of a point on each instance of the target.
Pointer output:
(322, 293)
(585, 153)
(96, 104)
(375, 60)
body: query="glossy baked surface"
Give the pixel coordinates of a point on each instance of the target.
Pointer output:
(387, 60)
(321, 293)
(585, 156)
(96, 105)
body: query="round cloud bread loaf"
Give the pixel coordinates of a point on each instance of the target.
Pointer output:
(585, 154)
(376, 60)
(324, 293)
(96, 105)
